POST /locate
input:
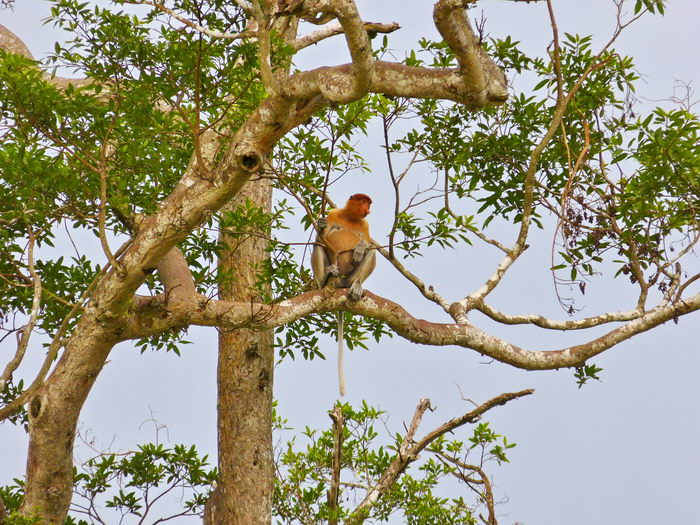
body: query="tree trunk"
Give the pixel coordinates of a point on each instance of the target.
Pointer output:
(244, 377)
(53, 417)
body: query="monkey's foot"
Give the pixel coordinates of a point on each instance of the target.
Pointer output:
(355, 293)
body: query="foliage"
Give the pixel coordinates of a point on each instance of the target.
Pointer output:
(132, 484)
(304, 473)
(171, 482)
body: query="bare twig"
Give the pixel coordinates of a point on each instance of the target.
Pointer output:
(488, 491)
(191, 24)
(338, 426)
(105, 151)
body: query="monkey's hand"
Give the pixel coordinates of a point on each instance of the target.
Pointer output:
(332, 269)
(322, 224)
(355, 293)
(359, 252)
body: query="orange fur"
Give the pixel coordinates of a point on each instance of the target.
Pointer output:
(346, 227)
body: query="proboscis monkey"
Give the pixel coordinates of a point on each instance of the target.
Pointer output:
(342, 251)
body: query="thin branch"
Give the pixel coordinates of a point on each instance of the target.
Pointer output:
(335, 28)
(426, 290)
(191, 24)
(474, 230)
(395, 184)
(56, 343)
(682, 288)
(557, 51)
(554, 324)
(528, 193)
(488, 491)
(23, 339)
(105, 151)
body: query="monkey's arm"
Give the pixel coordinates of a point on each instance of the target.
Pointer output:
(324, 260)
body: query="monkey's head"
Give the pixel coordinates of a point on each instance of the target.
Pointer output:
(360, 204)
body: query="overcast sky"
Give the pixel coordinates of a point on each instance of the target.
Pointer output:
(622, 451)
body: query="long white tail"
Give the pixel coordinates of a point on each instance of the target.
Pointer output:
(341, 346)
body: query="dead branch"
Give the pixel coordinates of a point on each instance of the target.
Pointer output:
(333, 492)
(409, 450)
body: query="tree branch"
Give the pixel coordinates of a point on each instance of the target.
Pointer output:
(394, 80)
(26, 332)
(193, 25)
(175, 274)
(335, 28)
(555, 324)
(333, 492)
(152, 315)
(409, 450)
(347, 88)
(479, 73)
(488, 491)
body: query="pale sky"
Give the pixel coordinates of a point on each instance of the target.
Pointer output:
(620, 451)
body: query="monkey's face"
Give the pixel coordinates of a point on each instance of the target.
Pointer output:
(360, 204)
(363, 208)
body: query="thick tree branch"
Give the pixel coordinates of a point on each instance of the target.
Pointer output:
(480, 74)
(152, 315)
(451, 21)
(175, 274)
(394, 80)
(345, 88)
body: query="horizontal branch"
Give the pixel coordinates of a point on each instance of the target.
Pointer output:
(335, 28)
(557, 324)
(152, 315)
(397, 80)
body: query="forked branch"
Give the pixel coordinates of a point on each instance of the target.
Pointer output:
(409, 449)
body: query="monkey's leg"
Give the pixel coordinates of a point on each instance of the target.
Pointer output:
(360, 273)
(321, 266)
